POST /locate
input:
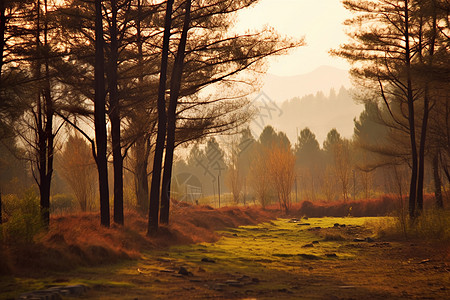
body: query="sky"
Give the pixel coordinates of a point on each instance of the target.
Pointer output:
(319, 21)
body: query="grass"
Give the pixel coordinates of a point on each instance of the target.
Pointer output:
(267, 261)
(250, 248)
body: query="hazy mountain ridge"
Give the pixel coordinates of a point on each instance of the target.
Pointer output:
(320, 112)
(324, 78)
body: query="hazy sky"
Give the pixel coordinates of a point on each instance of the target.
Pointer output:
(319, 21)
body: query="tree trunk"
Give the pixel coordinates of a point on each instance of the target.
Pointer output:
(437, 182)
(153, 213)
(141, 178)
(422, 145)
(426, 111)
(2, 36)
(142, 145)
(175, 84)
(100, 117)
(411, 118)
(114, 116)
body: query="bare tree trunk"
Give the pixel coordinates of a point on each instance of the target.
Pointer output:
(100, 117)
(2, 35)
(411, 118)
(423, 135)
(426, 110)
(175, 84)
(142, 145)
(114, 116)
(142, 150)
(437, 182)
(153, 213)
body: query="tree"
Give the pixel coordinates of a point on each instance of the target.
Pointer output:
(259, 176)
(386, 55)
(234, 177)
(78, 169)
(281, 169)
(308, 158)
(342, 165)
(100, 116)
(175, 86)
(161, 136)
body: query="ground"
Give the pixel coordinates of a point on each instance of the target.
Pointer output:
(316, 258)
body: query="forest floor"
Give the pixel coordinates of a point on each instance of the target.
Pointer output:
(315, 258)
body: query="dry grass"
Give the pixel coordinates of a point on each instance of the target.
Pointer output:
(79, 239)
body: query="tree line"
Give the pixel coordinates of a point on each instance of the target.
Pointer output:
(134, 78)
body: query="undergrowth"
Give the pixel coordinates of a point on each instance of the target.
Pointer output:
(432, 224)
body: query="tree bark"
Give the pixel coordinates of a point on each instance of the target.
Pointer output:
(153, 213)
(100, 117)
(114, 116)
(175, 85)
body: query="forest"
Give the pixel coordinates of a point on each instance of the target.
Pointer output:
(130, 129)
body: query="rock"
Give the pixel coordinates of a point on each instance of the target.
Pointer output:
(315, 242)
(314, 228)
(208, 260)
(369, 240)
(343, 225)
(235, 234)
(308, 256)
(234, 283)
(56, 292)
(330, 255)
(294, 220)
(255, 280)
(183, 271)
(303, 224)
(308, 246)
(336, 225)
(358, 240)
(219, 286)
(244, 278)
(167, 271)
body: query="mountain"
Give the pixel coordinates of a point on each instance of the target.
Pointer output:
(320, 112)
(324, 78)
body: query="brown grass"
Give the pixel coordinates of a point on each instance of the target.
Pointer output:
(79, 239)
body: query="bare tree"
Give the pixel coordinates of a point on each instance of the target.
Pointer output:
(78, 169)
(281, 169)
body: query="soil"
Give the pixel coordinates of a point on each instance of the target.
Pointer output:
(318, 258)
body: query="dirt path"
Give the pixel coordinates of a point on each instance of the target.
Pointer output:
(283, 259)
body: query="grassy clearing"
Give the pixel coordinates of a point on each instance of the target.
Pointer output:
(282, 259)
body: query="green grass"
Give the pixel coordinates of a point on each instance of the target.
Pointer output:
(250, 249)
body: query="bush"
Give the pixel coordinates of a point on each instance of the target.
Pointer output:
(433, 224)
(62, 203)
(23, 219)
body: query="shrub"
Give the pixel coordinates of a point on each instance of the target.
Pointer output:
(62, 203)
(433, 224)
(23, 219)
